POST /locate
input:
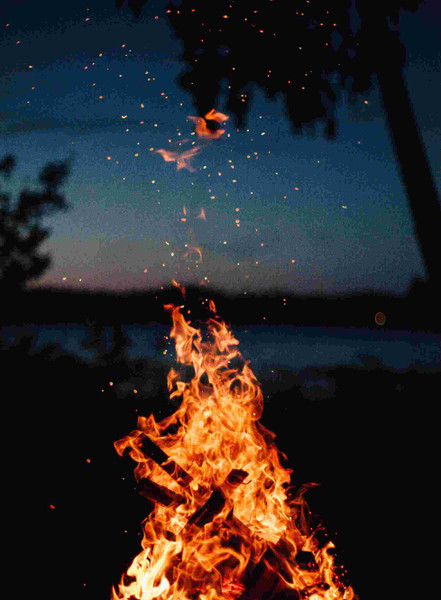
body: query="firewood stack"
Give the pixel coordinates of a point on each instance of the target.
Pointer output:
(263, 580)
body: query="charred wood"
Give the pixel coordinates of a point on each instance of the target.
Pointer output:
(158, 493)
(212, 507)
(153, 451)
(261, 582)
(273, 562)
(216, 502)
(284, 593)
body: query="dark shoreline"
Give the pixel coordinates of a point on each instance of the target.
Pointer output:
(414, 311)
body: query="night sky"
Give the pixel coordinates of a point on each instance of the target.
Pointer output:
(83, 81)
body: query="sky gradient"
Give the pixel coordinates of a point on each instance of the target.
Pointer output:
(83, 81)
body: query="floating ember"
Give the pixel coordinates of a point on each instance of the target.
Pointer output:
(210, 125)
(222, 526)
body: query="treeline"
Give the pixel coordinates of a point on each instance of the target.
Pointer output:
(415, 311)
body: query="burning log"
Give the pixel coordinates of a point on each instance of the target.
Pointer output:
(150, 449)
(260, 582)
(261, 579)
(216, 502)
(265, 579)
(235, 478)
(212, 507)
(158, 493)
(276, 555)
(153, 451)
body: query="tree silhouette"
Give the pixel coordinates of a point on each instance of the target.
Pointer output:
(21, 230)
(311, 53)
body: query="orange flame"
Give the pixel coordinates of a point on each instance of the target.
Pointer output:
(204, 125)
(179, 286)
(222, 524)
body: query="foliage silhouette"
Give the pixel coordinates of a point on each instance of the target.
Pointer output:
(312, 57)
(134, 5)
(21, 229)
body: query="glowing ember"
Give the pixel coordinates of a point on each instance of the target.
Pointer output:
(222, 526)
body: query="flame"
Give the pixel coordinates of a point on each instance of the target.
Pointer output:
(205, 127)
(179, 286)
(222, 526)
(182, 159)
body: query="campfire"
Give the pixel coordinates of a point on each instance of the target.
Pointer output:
(226, 522)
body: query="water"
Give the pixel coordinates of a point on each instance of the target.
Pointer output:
(266, 347)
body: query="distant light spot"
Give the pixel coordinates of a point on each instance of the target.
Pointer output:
(380, 318)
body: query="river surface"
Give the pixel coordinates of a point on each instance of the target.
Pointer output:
(289, 347)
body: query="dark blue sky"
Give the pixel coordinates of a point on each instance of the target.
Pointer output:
(82, 80)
